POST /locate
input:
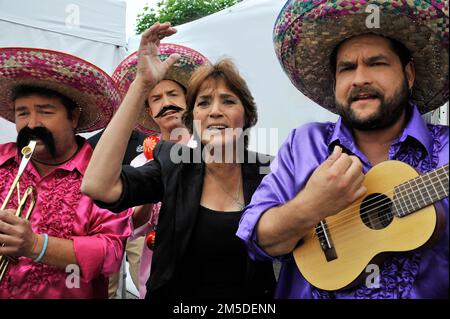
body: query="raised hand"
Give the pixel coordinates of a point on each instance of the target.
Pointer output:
(150, 69)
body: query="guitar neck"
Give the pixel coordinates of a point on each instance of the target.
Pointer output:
(421, 191)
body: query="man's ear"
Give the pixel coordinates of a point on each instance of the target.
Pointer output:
(76, 113)
(410, 73)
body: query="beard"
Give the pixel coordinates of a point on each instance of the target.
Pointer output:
(27, 134)
(388, 113)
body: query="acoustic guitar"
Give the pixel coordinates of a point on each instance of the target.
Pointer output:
(396, 214)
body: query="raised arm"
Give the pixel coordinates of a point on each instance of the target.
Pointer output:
(102, 178)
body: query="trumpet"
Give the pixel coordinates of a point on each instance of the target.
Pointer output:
(29, 193)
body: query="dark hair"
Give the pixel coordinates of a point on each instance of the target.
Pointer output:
(28, 90)
(399, 49)
(227, 71)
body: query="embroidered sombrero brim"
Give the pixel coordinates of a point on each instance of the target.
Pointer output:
(180, 72)
(88, 86)
(306, 32)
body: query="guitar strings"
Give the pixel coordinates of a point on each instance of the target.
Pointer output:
(340, 227)
(350, 210)
(342, 220)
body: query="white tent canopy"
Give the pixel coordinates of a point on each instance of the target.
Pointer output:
(244, 33)
(91, 30)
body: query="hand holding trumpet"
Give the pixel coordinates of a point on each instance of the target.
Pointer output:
(16, 236)
(14, 230)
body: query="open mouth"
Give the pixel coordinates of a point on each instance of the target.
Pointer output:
(216, 127)
(364, 97)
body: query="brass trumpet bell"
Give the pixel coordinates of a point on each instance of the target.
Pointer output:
(29, 193)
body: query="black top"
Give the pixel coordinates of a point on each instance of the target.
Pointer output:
(134, 147)
(214, 265)
(175, 178)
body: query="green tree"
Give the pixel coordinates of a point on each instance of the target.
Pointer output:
(179, 11)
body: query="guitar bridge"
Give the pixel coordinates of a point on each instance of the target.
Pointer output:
(325, 241)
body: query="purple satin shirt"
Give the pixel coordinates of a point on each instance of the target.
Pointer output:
(422, 274)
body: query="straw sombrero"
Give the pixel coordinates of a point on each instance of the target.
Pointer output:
(306, 32)
(180, 72)
(88, 86)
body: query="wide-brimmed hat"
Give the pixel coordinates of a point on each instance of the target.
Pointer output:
(85, 84)
(306, 32)
(180, 72)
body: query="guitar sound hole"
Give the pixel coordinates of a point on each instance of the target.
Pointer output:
(376, 211)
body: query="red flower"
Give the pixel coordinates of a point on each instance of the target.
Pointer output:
(149, 145)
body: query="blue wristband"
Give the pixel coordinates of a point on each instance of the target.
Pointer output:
(44, 248)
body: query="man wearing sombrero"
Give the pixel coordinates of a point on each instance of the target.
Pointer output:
(379, 80)
(160, 117)
(69, 245)
(167, 99)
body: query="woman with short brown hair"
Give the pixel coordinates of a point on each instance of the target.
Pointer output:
(196, 254)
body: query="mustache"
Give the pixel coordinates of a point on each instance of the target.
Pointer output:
(369, 90)
(168, 108)
(27, 134)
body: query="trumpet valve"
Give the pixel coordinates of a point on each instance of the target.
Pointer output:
(12, 260)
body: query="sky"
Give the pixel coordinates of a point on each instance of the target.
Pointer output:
(133, 8)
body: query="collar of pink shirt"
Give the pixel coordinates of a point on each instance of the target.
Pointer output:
(79, 162)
